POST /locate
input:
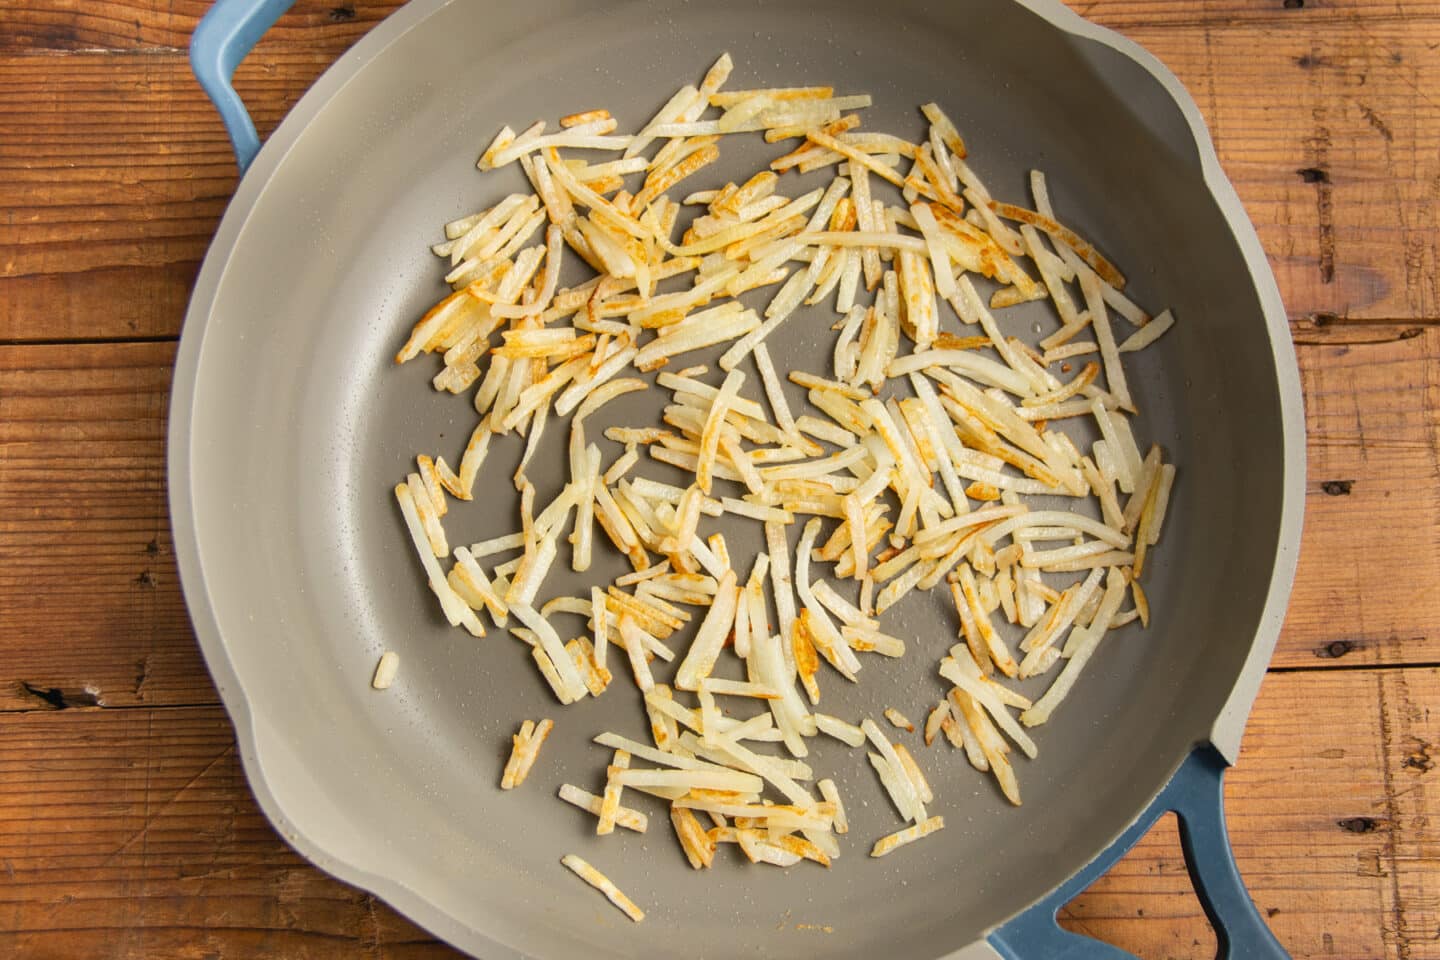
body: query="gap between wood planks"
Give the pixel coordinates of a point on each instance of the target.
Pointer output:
(1306, 330)
(88, 341)
(57, 699)
(1351, 667)
(1329, 329)
(147, 26)
(90, 699)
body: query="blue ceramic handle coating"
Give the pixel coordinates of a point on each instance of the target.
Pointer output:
(1196, 795)
(222, 39)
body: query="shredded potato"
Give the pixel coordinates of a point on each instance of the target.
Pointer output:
(911, 469)
(526, 748)
(389, 665)
(600, 882)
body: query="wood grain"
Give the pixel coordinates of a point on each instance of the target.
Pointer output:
(147, 26)
(131, 834)
(1338, 169)
(132, 176)
(1372, 519)
(1120, 14)
(91, 598)
(1332, 814)
(90, 606)
(126, 827)
(62, 26)
(121, 188)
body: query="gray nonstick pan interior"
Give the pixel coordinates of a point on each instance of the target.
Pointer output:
(299, 424)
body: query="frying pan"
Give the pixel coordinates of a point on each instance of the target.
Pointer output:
(289, 423)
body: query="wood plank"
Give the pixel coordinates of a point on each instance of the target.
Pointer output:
(1372, 524)
(1333, 817)
(89, 595)
(70, 26)
(95, 185)
(1340, 177)
(1335, 14)
(132, 834)
(106, 302)
(146, 25)
(106, 199)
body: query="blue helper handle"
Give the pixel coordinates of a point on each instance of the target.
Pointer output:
(1196, 795)
(224, 36)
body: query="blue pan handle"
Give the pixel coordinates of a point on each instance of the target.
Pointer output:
(222, 39)
(1196, 795)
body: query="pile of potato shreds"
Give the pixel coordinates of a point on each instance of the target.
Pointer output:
(911, 472)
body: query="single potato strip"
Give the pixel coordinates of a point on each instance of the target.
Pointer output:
(602, 883)
(385, 670)
(526, 747)
(900, 838)
(624, 816)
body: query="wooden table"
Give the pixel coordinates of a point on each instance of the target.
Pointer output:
(126, 827)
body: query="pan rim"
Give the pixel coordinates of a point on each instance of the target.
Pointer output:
(251, 733)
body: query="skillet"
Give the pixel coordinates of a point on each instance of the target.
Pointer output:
(289, 423)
